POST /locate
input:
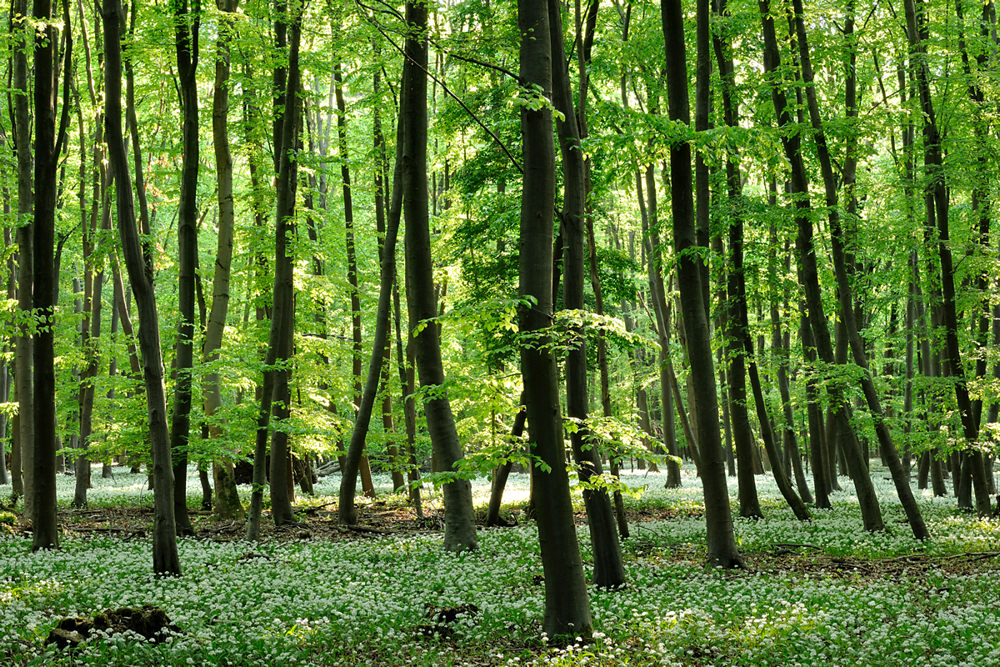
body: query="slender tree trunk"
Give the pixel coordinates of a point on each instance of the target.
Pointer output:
(24, 425)
(396, 459)
(503, 471)
(721, 540)
(283, 308)
(347, 513)
(608, 569)
(227, 501)
(407, 381)
(357, 352)
(567, 606)
(186, 44)
(661, 310)
(460, 529)
(139, 261)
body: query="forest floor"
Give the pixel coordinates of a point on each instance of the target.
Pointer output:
(817, 592)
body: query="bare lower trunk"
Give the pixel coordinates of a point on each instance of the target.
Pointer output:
(138, 260)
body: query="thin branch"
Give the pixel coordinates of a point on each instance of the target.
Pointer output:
(445, 88)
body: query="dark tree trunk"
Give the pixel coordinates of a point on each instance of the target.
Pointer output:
(48, 145)
(283, 308)
(721, 541)
(608, 569)
(460, 528)
(186, 44)
(567, 606)
(227, 501)
(139, 261)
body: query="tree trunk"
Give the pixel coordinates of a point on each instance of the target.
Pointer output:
(661, 310)
(283, 308)
(407, 382)
(186, 45)
(567, 607)
(460, 528)
(608, 569)
(48, 145)
(24, 425)
(503, 471)
(720, 539)
(347, 513)
(139, 262)
(227, 500)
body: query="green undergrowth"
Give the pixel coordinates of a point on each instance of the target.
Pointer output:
(819, 592)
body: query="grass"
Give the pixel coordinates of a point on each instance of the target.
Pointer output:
(822, 592)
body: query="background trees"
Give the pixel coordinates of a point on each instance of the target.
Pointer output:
(821, 247)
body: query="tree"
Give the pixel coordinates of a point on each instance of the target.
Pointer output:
(567, 606)
(227, 502)
(721, 541)
(50, 137)
(608, 569)
(282, 316)
(139, 262)
(460, 527)
(186, 29)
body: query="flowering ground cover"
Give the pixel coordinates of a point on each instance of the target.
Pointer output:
(822, 592)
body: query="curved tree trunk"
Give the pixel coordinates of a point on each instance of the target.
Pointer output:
(227, 501)
(139, 261)
(347, 513)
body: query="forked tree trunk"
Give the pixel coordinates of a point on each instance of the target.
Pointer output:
(809, 275)
(844, 288)
(567, 606)
(139, 261)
